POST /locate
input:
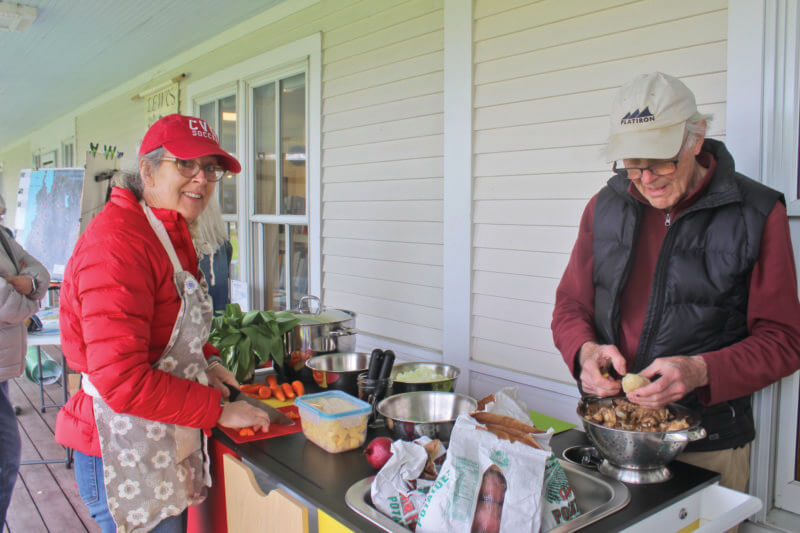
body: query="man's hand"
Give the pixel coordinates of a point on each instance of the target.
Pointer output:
(679, 375)
(21, 284)
(593, 359)
(218, 375)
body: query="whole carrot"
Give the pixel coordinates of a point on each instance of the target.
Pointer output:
(298, 387)
(288, 390)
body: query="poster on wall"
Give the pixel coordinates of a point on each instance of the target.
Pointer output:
(48, 215)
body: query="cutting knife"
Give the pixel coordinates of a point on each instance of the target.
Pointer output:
(275, 416)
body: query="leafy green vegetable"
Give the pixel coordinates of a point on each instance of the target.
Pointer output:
(247, 339)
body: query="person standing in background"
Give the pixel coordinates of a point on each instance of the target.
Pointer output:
(211, 243)
(23, 282)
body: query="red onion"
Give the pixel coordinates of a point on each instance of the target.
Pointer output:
(378, 452)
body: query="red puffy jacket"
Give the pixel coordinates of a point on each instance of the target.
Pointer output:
(117, 310)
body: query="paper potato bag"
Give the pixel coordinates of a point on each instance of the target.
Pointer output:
(486, 485)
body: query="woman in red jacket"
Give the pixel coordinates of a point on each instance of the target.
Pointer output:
(135, 322)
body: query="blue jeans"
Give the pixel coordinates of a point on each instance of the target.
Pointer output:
(10, 448)
(89, 475)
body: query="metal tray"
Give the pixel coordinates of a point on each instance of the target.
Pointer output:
(597, 497)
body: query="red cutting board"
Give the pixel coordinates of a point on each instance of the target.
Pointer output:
(274, 429)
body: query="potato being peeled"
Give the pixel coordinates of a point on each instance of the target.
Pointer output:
(633, 381)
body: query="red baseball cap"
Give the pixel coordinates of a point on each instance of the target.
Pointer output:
(187, 137)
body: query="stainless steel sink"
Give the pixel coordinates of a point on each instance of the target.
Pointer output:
(597, 497)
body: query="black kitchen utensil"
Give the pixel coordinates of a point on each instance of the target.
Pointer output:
(375, 361)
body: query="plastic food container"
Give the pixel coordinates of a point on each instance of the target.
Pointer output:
(334, 420)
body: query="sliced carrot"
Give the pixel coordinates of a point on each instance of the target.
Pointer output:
(272, 380)
(288, 390)
(246, 432)
(278, 393)
(298, 388)
(264, 392)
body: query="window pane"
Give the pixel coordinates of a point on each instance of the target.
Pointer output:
(293, 145)
(227, 123)
(274, 275)
(264, 148)
(299, 240)
(233, 235)
(207, 114)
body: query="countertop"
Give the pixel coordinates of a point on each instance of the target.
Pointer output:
(323, 478)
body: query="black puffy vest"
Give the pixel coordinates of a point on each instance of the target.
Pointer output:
(698, 298)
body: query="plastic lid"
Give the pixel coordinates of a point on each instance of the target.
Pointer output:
(333, 404)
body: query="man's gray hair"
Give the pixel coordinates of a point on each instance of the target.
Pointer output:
(132, 180)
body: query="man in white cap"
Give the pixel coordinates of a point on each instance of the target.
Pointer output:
(683, 273)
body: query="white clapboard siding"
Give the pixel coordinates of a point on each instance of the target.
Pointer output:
(382, 170)
(521, 359)
(681, 62)
(388, 290)
(410, 87)
(425, 254)
(536, 289)
(656, 17)
(544, 76)
(409, 189)
(398, 129)
(558, 239)
(418, 106)
(540, 186)
(421, 210)
(516, 310)
(404, 169)
(409, 313)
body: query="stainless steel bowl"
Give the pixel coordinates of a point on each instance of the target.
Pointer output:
(639, 456)
(411, 415)
(338, 371)
(446, 384)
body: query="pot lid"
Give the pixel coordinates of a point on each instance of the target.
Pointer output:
(311, 311)
(326, 316)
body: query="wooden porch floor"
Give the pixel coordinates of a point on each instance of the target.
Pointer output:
(45, 498)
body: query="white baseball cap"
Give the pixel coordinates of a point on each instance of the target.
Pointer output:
(648, 117)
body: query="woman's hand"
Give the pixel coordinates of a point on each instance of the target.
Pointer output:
(594, 360)
(218, 375)
(21, 284)
(241, 415)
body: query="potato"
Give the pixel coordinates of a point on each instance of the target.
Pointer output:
(633, 381)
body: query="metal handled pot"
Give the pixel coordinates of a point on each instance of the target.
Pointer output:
(321, 330)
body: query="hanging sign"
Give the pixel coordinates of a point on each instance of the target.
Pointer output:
(160, 103)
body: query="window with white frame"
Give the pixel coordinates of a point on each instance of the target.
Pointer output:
(268, 109)
(220, 113)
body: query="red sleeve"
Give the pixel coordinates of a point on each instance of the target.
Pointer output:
(210, 350)
(117, 287)
(772, 350)
(573, 315)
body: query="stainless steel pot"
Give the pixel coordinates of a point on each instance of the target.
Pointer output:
(639, 456)
(321, 330)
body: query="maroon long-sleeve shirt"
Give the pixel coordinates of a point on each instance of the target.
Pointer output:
(771, 351)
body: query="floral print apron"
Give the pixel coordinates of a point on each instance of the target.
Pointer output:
(154, 470)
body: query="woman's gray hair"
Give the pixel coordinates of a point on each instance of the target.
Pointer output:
(131, 179)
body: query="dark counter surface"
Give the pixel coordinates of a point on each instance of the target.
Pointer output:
(323, 478)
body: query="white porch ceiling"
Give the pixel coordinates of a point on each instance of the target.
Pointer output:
(76, 50)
